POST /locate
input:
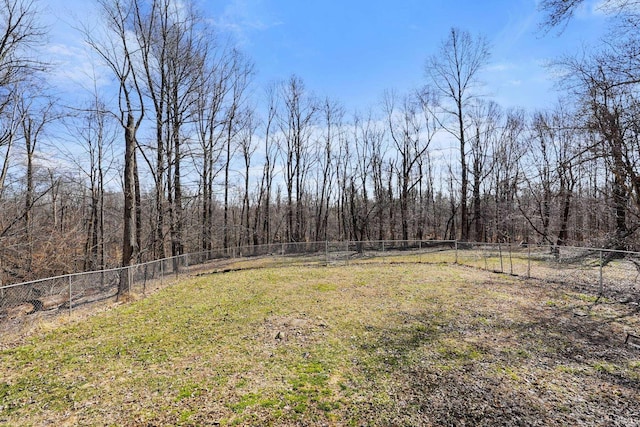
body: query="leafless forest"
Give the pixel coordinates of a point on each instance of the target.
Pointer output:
(184, 153)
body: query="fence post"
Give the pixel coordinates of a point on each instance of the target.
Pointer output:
(326, 251)
(601, 281)
(456, 245)
(500, 254)
(161, 272)
(347, 253)
(484, 256)
(144, 283)
(528, 260)
(510, 258)
(69, 295)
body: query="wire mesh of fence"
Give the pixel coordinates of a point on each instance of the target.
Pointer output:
(601, 273)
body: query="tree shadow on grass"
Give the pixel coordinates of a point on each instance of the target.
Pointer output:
(552, 368)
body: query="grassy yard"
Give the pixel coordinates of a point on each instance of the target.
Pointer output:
(375, 344)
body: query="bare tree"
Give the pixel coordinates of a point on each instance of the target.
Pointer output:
(116, 51)
(36, 113)
(296, 120)
(342, 165)
(10, 120)
(555, 155)
(559, 12)
(377, 149)
(366, 135)
(411, 136)
(608, 106)
(453, 71)
(506, 175)
(186, 55)
(92, 153)
(176, 67)
(605, 84)
(240, 78)
(332, 115)
(539, 178)
(151, 25)
(263, 206)
(247, 148)
(20, 34)
(485, 120)
(211, 114)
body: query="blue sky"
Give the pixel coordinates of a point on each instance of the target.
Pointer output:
(353, 50)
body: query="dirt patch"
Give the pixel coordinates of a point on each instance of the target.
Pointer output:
(300, 330)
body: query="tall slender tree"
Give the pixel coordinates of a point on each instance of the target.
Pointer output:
(116, 51)
(296, 120)
(20, 35)
(454, 72)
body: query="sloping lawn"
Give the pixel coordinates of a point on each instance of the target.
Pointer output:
(375, 344)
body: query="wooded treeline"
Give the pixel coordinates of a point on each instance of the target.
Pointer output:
(182, 152)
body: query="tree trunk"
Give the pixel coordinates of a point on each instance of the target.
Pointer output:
(129, 240)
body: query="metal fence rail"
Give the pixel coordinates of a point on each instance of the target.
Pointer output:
(600, 272)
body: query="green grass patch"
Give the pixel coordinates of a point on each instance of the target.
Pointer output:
(325, 287)
(592, 298)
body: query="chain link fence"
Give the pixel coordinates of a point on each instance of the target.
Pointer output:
(602, 273)
(598, 272)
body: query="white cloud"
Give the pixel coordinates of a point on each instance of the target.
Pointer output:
(595, 8)
(74, 68)
(500, 67)
(241, 17)
(520, 25)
